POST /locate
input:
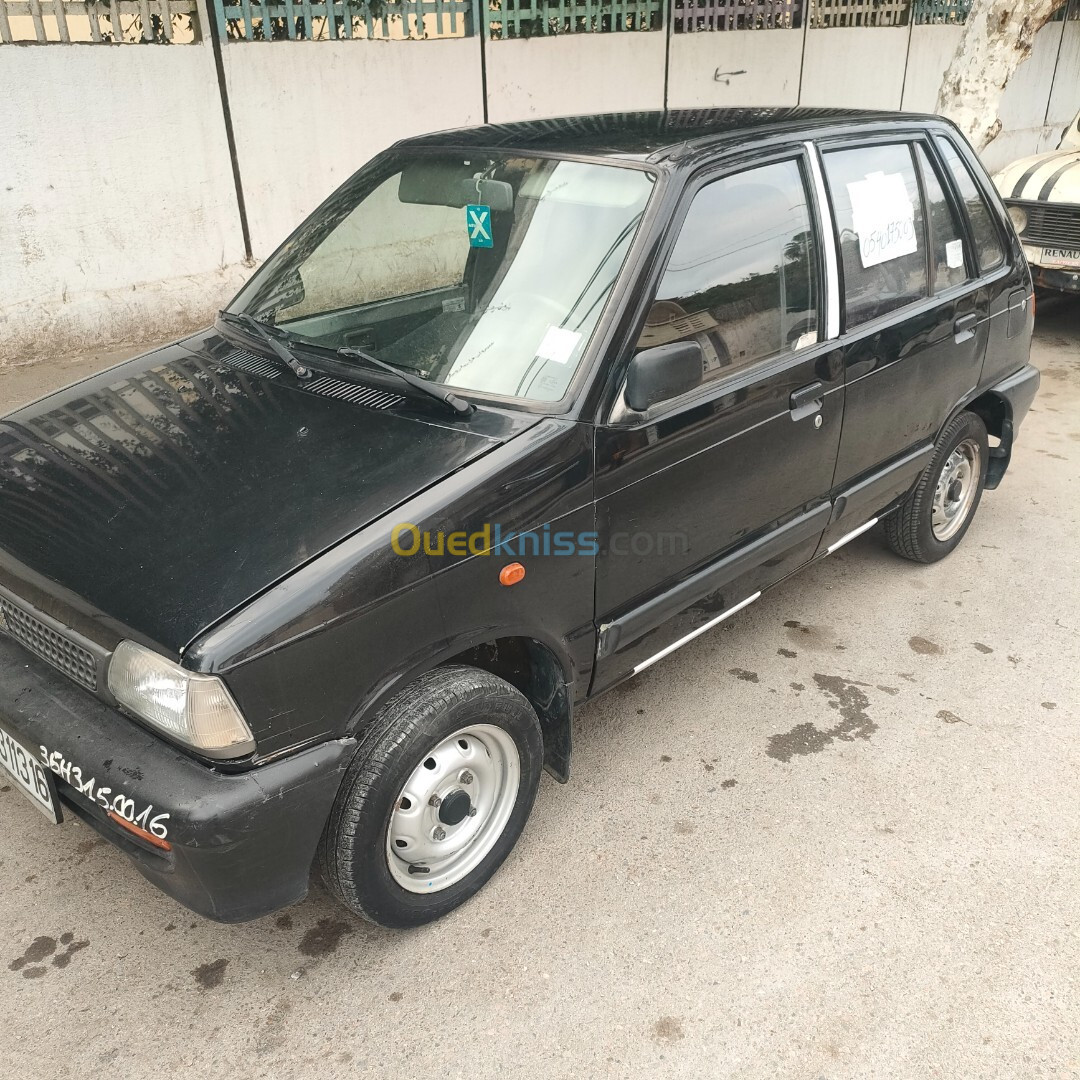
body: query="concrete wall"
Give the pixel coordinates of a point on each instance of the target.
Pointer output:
(118, 216)
(771, 62)
(930, 52)
(118, 220)
(1024, 104)
(575, 73)
(1065, 95)
(855, 67)
(308, 114)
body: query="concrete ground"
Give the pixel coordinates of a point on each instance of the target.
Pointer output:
(835, 838)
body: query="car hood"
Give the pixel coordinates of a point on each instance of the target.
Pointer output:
(164, 493)
(1051, 177)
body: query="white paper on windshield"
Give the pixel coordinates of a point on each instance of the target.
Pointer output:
(954, 254)
(884, 218)
(558, 345)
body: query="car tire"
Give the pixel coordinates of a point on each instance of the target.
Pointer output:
(435, 798)
(936, 513)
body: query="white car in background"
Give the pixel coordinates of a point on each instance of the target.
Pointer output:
(1042, 194)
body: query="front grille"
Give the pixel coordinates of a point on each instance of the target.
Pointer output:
(1051, 224)
(73, 660)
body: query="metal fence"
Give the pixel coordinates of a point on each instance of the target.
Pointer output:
(176, 21)
(689, 16)
(539, 18)
(827, 13)
(109, 22)
(939, 12)
(303, 20)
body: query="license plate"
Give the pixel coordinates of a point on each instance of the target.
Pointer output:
(34, 782)
(1060, 257)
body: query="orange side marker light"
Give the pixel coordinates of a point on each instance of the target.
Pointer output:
(142, 834)
(511, 573)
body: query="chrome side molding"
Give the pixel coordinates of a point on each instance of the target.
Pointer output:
(694, 633)
(851, 535)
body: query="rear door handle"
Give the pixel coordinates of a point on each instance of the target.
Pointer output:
(806, 400)
(964, 327)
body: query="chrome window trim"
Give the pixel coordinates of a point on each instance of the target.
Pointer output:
(828, 241)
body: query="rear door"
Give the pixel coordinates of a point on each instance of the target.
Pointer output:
(711, 497)
(1002, 270)
(914, 315)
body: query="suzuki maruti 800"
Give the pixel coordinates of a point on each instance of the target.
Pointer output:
(518, 411)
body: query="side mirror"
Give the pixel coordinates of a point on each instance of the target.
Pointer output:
(663, 372)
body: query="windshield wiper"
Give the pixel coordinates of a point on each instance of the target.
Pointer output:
(439, 393)
(280, 349)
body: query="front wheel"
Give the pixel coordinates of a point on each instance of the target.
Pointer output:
(435, 799)
(933, 518)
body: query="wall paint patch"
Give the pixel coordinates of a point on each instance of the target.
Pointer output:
(478, 221)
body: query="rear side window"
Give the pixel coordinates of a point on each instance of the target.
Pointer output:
(946, 237)
(879, 219)
(742, 278)
(987, 241)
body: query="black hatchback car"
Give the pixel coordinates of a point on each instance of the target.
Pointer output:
(518, 411)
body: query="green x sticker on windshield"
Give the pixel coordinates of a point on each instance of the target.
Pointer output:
(478, 219)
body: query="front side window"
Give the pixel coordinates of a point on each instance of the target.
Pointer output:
(879, 219)
(742, 277)
(484, 272)
(987, 240)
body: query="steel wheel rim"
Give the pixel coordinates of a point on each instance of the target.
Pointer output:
(956, 489)
(465, 789)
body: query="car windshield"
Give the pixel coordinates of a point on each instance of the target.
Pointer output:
(483, 272)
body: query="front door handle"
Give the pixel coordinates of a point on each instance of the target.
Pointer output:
(964, 327)
(806, 400)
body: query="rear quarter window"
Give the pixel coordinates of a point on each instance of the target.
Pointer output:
(984, 232)
(946, 235)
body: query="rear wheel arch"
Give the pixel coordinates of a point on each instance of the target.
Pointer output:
(992, 408)
(995, 411)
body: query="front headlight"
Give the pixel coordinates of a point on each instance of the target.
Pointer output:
(195, 709)
(1018, 216)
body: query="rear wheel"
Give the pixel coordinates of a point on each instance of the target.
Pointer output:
(933, 518)
(438, 793)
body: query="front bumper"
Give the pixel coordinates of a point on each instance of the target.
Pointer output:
(1056, 280)
(242, 844)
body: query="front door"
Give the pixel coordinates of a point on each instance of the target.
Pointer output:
(707, 499)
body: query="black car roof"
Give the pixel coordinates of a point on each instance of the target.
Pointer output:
(652, 136)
